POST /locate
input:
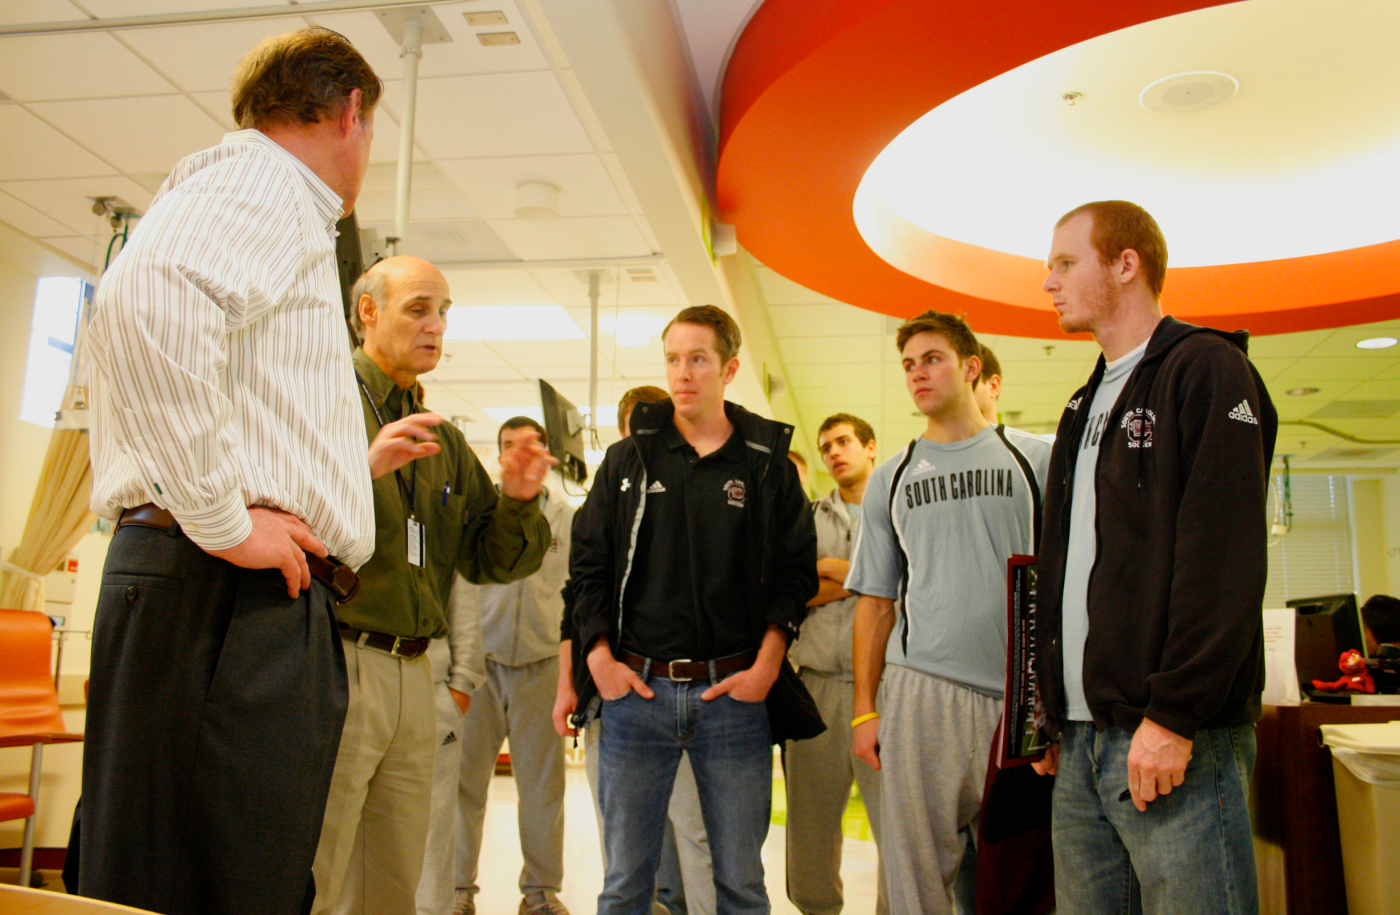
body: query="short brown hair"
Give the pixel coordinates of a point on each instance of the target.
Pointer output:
(301, 77)
(1120, 225)
(727, 337)
(952, 327)
(861, 428)
(647, 393)
(990, 365)
(521, 422)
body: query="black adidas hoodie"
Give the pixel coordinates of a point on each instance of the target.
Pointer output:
(1176, 589)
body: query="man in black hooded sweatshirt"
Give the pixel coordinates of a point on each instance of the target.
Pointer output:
(1152, 573)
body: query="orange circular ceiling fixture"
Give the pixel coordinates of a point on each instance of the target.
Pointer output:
(814, 92)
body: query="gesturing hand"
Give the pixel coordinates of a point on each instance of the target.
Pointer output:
(402, 441)
(279, 541)
(524, 465)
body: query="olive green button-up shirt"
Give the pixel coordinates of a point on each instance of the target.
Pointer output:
(467, 526)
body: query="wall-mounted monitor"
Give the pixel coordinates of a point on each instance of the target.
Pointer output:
(564, 425)
(1326, 627)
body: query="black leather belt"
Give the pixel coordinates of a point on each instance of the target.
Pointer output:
(331, 572)
(684, 670)
(396, 645)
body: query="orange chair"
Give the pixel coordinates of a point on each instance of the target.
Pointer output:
(29, 713)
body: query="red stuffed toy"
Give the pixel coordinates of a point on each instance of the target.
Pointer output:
(1355, 677)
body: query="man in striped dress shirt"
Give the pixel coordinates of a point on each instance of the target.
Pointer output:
(228, 444)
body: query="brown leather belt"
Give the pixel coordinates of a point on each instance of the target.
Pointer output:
(331, 572)
(397, 645)
(684, 670)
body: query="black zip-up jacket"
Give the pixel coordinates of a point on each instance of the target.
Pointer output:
(783, 573)
(1176, 589)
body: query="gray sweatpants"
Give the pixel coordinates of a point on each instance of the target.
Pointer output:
(818, 774)
(935, 740)
(515, 702)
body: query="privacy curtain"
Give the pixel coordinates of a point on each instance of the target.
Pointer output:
(59, 515)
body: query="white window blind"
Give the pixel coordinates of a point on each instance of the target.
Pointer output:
(1315, 558)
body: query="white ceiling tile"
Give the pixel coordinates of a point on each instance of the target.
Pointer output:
(218, 107)
(385, 176)
(829, 319)
(15, 12)
(465, 54)
(448, 242)
(779, 290)
(384, 146)
(568, 290)
(624, 187)
(68, 201)
(503, 114)
(495, 287)
(816, 350)
(87, 251)
(585, 188)
(29, 220)
(567, 239)
(111, 9)
(202, 57)
(72, 66)
(1312, 369)
(120, 130)
(436, 203)
(33, 149)
(570, 355)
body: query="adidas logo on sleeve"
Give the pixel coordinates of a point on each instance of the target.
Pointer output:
(1244, 414)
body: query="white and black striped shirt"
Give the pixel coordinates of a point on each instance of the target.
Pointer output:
(221, 372)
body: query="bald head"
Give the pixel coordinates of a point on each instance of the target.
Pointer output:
(400, 315)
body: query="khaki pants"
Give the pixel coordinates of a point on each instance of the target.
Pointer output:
(440, 857)
(376, 823)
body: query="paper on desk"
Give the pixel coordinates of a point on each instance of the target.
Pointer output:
(1280, 669)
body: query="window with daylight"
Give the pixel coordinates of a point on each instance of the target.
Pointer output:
(58, 306)
(1315, 558)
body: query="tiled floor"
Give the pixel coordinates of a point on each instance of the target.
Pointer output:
(583, 870)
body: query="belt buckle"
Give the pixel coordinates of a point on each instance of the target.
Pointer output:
(394, 649)
(671, 671)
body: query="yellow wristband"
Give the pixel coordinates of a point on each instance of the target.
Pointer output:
(868, 716)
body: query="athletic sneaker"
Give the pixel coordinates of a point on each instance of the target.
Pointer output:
(550, 906)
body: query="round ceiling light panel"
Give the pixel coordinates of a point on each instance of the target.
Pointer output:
(889, 156)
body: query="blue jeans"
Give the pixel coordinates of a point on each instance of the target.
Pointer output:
(1191, 852)
(731, 754)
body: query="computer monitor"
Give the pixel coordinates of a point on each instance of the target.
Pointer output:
(1326, 627)
(564, 426)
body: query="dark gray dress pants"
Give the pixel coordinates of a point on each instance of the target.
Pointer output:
(214, 714)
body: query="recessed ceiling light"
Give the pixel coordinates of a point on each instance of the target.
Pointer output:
(497, 39)
(1376, 343)
(511, 322)
(1183, 92)
(486, 17)
(1302, 392)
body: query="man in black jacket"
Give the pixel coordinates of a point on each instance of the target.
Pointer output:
(693, 560)
(1152, 575)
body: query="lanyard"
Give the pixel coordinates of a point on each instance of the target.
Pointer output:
(405, 489)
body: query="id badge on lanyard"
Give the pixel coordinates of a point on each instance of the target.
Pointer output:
(415, 542)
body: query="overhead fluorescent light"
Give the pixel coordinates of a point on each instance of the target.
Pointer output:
(637, 328)
(511, 322)
(1377, 343)
(607, 415)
